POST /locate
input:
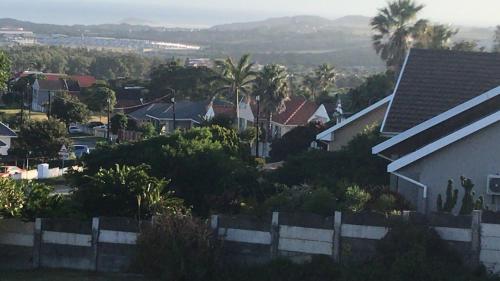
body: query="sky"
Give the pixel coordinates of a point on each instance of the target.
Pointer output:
(204, 13)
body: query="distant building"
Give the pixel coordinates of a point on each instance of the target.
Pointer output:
(16, 37)
(6, 135)
(201, 62)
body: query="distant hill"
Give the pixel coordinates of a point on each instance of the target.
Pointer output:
(303, 24)
(299, 41)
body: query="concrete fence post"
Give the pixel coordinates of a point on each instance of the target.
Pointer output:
(275, 235)
(214, 225)
(337, 228)
(476, 236)
(95, 242)
(406, 216)
(37, 243)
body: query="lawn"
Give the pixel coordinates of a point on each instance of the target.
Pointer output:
(67, 275)
(43, 116)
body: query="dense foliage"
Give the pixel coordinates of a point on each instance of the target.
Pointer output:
(125, 191)
(27, 200)
(178, 247)
(69, 109)
(294, 142)
(40, 139)
(207, 166)
(101, 64)
(4, 70)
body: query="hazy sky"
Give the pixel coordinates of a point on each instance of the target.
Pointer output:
(210, 12)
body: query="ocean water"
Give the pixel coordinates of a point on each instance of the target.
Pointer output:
(160, 13)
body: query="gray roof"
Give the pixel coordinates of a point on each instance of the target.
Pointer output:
(434, 81)
(189, 110)
(141, 113)
(6, 131)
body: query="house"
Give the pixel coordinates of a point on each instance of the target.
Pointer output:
(345, 130)
(55, 83)
(6, 135)
(298, 112)
(189, 114)
(444, 119)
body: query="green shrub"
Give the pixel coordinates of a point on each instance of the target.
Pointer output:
(178, 247)
(27, 199)
(356, 199)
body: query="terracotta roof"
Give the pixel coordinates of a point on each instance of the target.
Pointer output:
(433, 81)
(84, 81)
(297, 112)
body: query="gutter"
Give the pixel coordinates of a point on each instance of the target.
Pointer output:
(423, 186)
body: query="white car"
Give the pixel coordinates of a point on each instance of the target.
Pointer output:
(74, 130)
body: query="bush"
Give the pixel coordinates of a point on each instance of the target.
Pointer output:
(302, 198)
(294, 142)
(27, 199)
(178, 247)
(122, 191)
(356, 199)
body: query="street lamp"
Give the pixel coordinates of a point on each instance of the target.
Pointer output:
(257, 98)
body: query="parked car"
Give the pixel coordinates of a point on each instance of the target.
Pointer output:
(101, 127)
(74, 130)
(80, 150)
(7, 171)
(94, 124)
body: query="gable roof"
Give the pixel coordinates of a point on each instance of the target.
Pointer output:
(297, 112)
(184, 110)
(326, 135)
(443, 142)
(433, 81)
(465, 113)
(6, 131)
(52, 85)
(141, 113)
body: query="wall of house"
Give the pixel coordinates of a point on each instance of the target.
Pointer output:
(344, 135)
(4, 150)
(474, 157)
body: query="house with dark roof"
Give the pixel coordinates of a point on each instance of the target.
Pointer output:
(189, 114)
(6, 135)
(444, 119)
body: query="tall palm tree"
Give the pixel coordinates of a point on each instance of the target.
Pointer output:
(236, 79)
(273, 87)
(326, 75)
(396, 27)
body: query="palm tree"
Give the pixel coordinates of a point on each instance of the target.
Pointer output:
(273, 87)
(236, 79)
(325, 74)
(436, 36)
(496, 40)
(396, 27)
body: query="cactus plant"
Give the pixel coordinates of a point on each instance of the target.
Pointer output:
(451, 199)
(468, 204)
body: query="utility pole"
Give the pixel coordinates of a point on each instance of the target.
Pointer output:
(109, 113)
(173, 111)
(257, 98)
(50, 105)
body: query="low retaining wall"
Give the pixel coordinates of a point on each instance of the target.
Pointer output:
(100, 244)
(347, 237)
(109, 244)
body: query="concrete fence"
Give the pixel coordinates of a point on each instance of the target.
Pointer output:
(102, 244)
(348, 237)
(109, 244)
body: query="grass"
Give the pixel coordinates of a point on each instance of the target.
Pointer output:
(43, 116)
(67, 275)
